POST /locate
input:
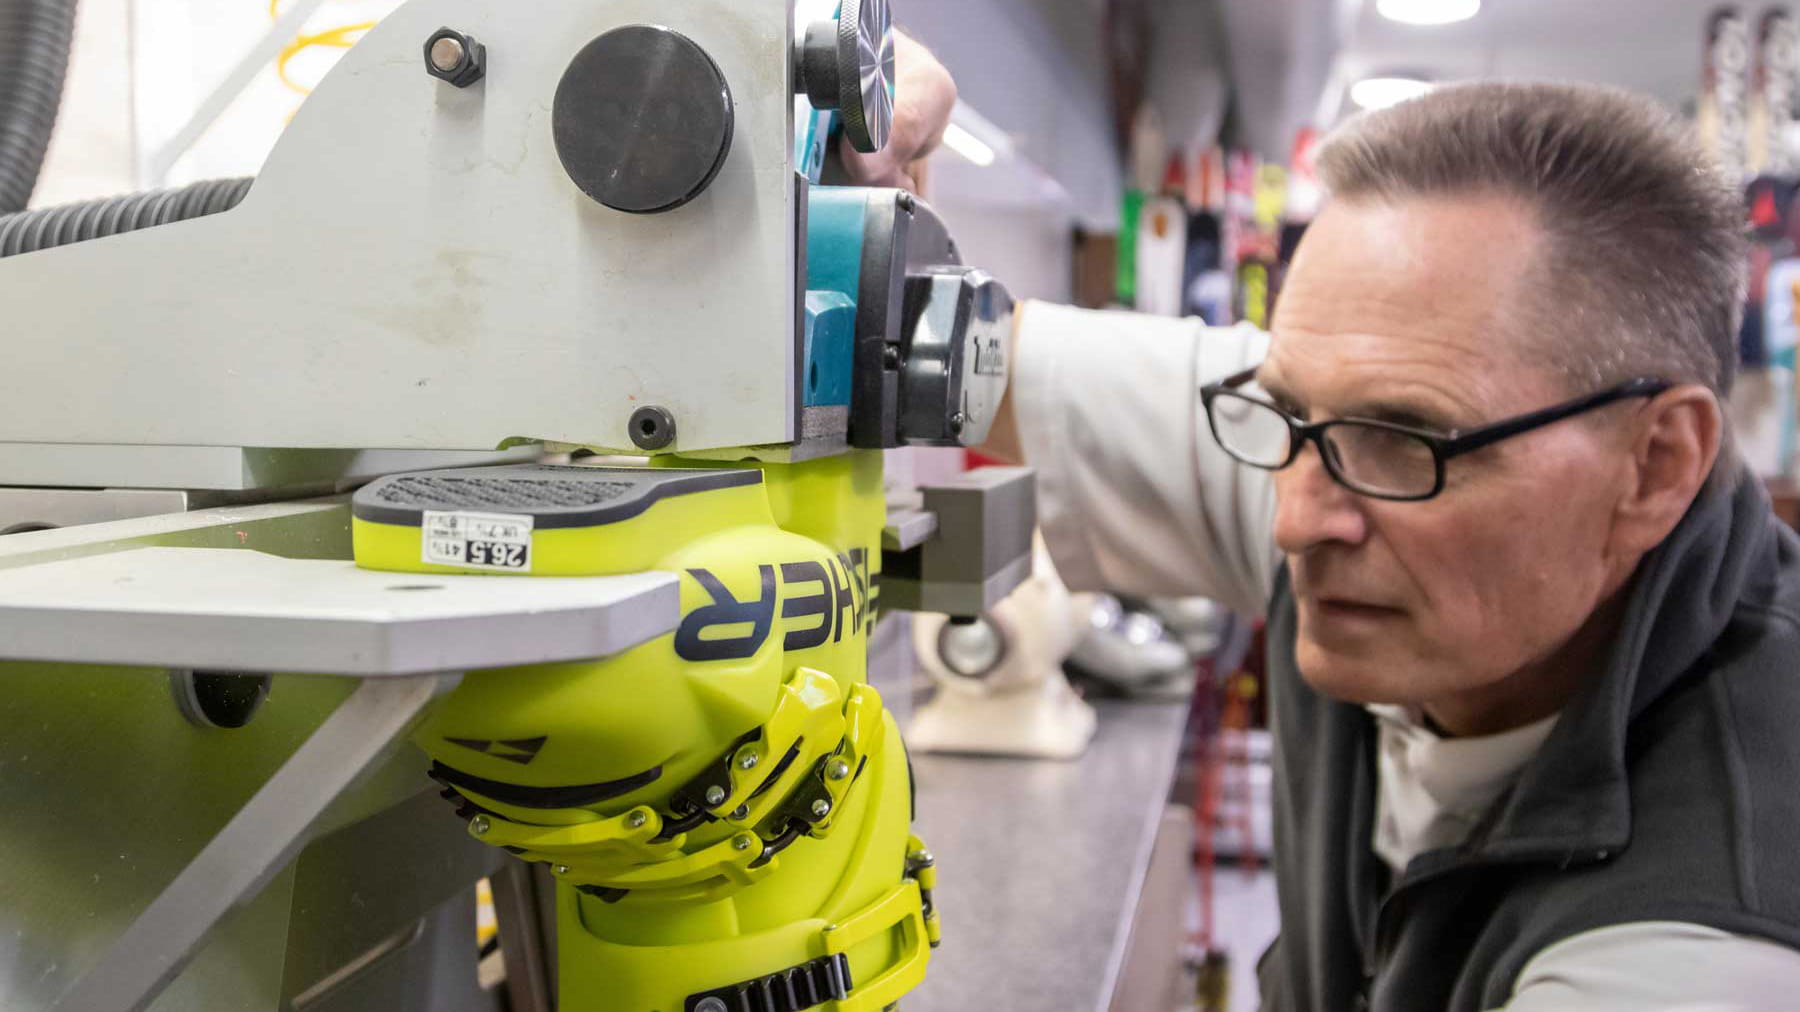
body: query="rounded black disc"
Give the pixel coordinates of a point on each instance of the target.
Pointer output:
(866, 73)
(642, 119)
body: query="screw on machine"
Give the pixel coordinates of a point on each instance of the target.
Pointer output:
(454, 57)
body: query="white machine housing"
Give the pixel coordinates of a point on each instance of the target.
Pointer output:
(414, 269)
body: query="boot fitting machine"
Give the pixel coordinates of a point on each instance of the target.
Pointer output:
(595, 227)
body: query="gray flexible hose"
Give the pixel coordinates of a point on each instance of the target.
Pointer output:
(34, 54)
(28, 231)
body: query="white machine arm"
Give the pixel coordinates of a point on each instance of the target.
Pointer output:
(414, 267)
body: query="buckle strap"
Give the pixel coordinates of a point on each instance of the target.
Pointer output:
(905, 908)
(921, 867)
(806, 985)
(785, 779)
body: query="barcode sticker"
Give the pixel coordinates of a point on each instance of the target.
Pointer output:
(500, 541)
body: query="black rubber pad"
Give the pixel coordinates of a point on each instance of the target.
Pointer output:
(553, 495)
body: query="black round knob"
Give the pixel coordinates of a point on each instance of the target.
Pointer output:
(848, 65)
(642, 119)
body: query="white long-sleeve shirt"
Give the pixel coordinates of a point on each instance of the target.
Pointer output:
(1134, 495)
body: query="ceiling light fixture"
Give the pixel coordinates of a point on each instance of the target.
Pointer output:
(1428, 12)
(968, 145)
(1381, 92)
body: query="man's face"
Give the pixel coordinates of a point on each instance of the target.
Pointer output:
(1409, 312)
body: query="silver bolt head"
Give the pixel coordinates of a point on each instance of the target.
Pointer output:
(747, 761)
(741, 843)
(709, 1005)
(838, 770)
(715, 795)
(447, 54)
(821, 808)
(741, 811)
(479, 825)
(636, 819)
(562, 869)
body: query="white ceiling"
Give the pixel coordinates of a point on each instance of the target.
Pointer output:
(1652, 46)
(1290, 59)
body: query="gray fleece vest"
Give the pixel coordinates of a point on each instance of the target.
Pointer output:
(1668, 790)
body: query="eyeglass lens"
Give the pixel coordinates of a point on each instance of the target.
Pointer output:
(1368, 458)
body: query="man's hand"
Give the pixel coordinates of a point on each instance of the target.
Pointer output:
(924, 94)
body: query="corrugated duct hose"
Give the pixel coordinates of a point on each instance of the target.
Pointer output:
(57, 226)
(35, 36)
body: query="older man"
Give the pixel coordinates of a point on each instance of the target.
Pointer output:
(1534, 634)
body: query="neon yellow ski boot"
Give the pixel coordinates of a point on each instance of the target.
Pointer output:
(726, 808)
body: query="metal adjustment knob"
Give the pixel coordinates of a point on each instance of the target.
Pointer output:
(848, 65)
(642, 119)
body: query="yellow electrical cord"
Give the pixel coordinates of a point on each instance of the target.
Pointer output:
(342, 37)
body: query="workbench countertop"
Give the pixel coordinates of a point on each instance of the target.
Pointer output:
(1040, 865)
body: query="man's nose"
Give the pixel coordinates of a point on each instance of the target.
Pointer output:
(1312, 509)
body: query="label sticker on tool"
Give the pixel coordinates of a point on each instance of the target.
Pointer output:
(499, 541)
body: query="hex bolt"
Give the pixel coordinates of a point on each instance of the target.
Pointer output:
(636, 818)
(838, 769)
(747, 761)
(741, 843)
(479, 825)
(957, 422)
(741, 812)
(447, 52)
(455, 58)
(710, 1005)
(715, 795)
(562, 869)
(821, 808)
(890, 358)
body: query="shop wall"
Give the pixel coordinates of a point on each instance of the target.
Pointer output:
(1028, 249)
(1037, 69)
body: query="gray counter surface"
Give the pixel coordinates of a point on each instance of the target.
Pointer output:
(1040, 864)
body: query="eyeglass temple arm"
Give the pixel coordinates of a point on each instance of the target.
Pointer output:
(1475, 439)
(1236, 379)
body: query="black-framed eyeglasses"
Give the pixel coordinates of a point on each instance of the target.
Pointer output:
(1383, 460)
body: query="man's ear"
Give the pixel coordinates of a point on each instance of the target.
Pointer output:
(1675, 440)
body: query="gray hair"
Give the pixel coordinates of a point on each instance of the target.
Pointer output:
(1646, 241)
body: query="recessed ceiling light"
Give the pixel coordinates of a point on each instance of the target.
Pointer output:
(1428, 12)
(968, 145)
(1381, 92)
(971, 135)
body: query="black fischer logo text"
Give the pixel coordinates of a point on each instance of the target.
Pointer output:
(835, 592)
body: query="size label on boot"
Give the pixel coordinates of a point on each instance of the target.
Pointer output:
(477, 540)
